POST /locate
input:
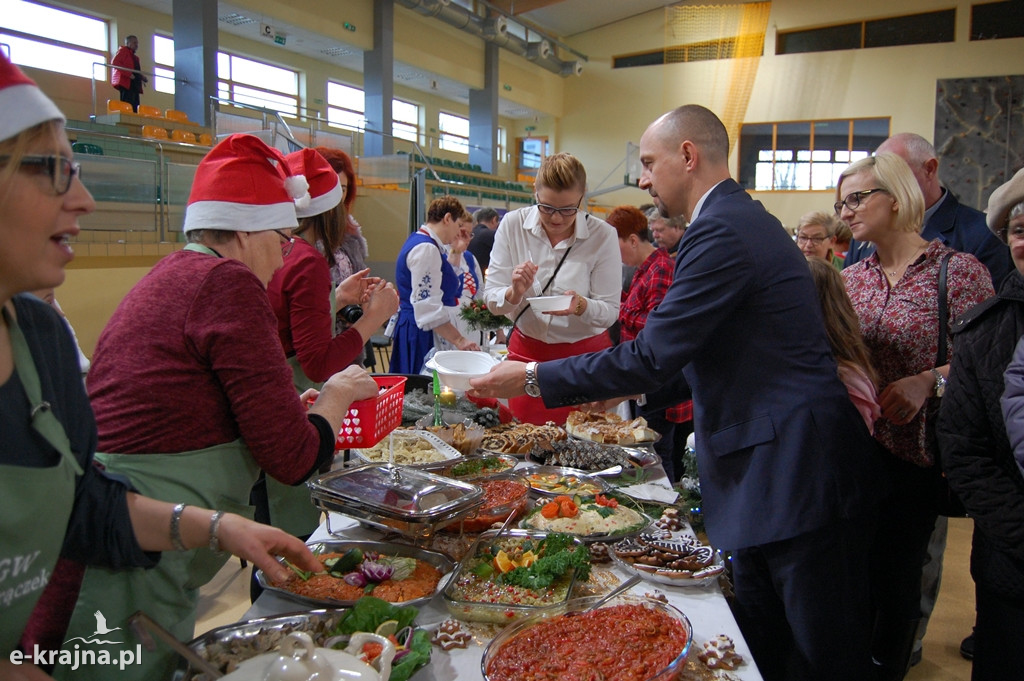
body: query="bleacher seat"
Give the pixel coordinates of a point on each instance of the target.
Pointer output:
(150, 111)
(183, 136)
(117, 106)
(206, 138)
(86, 148)
(175, 115)
(155, 132)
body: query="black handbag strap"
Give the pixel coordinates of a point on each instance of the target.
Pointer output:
(943, 322)
(546, 286)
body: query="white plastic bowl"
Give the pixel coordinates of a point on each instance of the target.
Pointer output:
(456, 367)
(550, 303)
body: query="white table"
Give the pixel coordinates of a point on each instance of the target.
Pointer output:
(705, 607)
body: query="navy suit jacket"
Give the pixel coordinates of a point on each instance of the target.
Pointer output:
(781, 448)
(961, 228)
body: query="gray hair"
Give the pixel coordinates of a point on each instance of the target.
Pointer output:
(213, 236)
(485, 215)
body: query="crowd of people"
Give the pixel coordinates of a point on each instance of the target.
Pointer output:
(833, 390)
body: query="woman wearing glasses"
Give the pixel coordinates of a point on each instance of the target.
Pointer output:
(895, 293)
(191, 389)
(550, 249)
(816, 237)
(427, 290)
(53, 501)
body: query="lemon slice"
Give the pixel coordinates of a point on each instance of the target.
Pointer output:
(388, 628)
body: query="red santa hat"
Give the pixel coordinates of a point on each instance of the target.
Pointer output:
(22, 104)
(243, 185)
(324, 185)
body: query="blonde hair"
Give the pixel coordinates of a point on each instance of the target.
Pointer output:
(892, 174)
(561, 172)
(829, 222)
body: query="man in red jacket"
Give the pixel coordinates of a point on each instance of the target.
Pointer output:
(128, 83)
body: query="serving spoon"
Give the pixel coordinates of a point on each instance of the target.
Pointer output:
(625, 586)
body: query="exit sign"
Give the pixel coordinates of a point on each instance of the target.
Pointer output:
(279, 39)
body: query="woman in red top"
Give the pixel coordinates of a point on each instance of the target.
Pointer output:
(301, 292)
(895, 292)
(653, 275)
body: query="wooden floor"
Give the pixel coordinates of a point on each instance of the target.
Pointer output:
(226, 598)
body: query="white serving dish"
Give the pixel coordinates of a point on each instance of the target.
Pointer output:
(550, 303)
(455, 368)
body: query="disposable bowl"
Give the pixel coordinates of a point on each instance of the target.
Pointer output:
(455, 368)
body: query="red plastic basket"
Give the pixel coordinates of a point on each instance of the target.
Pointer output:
(368, 421)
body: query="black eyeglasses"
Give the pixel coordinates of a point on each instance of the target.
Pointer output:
(60, 169)
(287, 243)
(853, 200)
(551, 210)
(816, 240)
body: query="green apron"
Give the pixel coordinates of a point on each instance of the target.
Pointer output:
(35, 505)
(290, 507)
(218, 477)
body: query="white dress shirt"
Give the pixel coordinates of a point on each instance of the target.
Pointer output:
(593, 269)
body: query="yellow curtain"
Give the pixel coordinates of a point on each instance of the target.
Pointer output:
(730, 40)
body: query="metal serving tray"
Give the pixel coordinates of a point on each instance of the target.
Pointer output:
(444, 452)
(243, 640)
(443, 563)
(401, 499)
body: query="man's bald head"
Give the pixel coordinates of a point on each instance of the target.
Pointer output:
(698, 125)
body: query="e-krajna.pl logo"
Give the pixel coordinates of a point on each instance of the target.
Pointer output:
(78, 656)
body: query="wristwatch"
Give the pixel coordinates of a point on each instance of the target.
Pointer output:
(940, 383)
(532, 386)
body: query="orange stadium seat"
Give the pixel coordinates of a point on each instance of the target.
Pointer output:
(154, 132)
(183, 136)
(117, 106)
(151, 111)
(175, 115)
(206, 138)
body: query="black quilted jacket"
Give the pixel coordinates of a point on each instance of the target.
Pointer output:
(975, 450)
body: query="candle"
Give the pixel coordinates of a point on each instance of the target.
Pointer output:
(447, 396)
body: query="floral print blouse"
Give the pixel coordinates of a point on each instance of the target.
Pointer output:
(900, 327)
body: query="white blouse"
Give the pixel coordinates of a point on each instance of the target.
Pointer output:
(424, 263)
(593, 269)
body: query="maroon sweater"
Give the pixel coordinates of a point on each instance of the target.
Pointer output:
(300, 294)
(191, 359)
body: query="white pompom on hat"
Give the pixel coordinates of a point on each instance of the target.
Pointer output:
(22, 104)
(243, 185)
(1003, 200)
(324, 185)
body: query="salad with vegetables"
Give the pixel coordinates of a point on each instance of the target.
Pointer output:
(395, 623)
(349, 575)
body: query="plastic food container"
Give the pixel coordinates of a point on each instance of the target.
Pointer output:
(677, 634)
(550, 303)
(455, 368)
(412, 502)
(468, 597)
(368, 421)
